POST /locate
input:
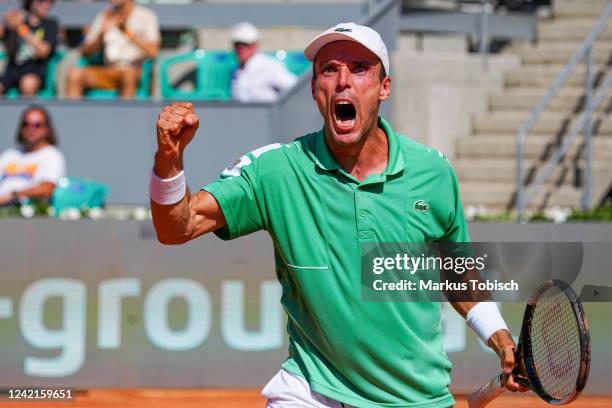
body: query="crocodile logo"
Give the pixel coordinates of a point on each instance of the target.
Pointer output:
(343, 30)
(421, 206)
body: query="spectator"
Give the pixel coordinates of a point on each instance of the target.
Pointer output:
(30, 38)
(128, 34)
(259, 78)
(33, 169)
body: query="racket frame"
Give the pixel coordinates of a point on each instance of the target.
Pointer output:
(526, 372)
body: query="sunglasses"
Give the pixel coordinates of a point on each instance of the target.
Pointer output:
(35, 125)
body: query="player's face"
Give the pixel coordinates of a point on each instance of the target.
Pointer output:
(348, 90)
(34, 128)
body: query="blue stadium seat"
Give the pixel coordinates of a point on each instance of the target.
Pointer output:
(79, 193)
(213, 75)
(213, 72)
(295, 61)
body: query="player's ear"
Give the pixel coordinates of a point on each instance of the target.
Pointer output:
(385, 89)
(312, 87)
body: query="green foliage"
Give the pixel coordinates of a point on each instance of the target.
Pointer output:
(9, 212)
(507, 216)
(601, 214)
(539, 217)
(598, 214)
(28, 209)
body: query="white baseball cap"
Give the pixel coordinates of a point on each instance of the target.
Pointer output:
(244, 33)
(351, 32)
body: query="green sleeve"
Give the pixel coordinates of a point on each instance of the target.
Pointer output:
(237, 193)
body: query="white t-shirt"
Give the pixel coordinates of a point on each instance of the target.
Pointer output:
(118, 48)
(261, 79)
(20, 170)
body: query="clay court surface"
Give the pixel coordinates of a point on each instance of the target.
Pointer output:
(153, 398)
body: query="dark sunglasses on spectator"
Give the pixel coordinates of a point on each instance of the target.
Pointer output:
(36, 125)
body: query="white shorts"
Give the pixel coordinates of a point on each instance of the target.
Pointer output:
(287, 390)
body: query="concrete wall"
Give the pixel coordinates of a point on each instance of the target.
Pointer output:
(438, 93)
(114, 142)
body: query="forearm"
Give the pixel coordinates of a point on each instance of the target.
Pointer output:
(149, 48)
(42, 49)
(185, 218)
(462, 307)
(91, 46)
(173, 223)
(41, 191)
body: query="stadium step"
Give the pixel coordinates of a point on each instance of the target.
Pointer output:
(561, 52)
(550, 122)
(574, 30)
(504, 170)
(486, 159)
(578, 9)
(510, 122)
(524, 99)
(501, 195)
(543, 75)
(483, 147)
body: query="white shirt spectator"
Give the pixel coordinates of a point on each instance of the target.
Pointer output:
(261, 79)
(118, 48)
(20, 170)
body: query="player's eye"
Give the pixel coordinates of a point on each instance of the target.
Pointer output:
(329, 69)
(359, 69)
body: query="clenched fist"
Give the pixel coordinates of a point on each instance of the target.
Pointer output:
(176, 126)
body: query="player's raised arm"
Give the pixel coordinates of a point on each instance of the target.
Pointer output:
(177, 215)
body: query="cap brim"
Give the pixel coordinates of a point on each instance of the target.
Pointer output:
(315, 45)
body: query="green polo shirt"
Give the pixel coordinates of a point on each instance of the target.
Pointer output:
(361, 353)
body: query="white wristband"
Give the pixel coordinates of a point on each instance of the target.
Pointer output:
(167, 191)
(484, 318)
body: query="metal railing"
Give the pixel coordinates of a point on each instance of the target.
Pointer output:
(583, 122)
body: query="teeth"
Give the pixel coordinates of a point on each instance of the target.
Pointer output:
(344, 103)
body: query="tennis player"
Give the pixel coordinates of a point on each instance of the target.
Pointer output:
(354, 181)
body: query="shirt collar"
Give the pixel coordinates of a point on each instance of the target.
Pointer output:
(252, 61)
(324, 159)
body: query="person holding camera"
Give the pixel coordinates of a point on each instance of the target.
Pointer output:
(126, 34)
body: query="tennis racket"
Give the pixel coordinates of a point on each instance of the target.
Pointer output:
(554, 351)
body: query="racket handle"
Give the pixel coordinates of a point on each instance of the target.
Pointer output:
(486, 393)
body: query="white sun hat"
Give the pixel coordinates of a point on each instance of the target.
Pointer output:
(351, 32)
(245, 33)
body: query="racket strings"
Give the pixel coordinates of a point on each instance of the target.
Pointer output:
(555, 343)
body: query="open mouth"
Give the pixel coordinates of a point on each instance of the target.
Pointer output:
(345, 114)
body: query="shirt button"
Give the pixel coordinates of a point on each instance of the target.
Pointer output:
(363, 214)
